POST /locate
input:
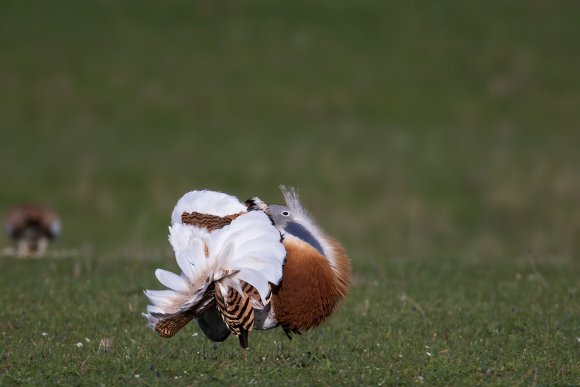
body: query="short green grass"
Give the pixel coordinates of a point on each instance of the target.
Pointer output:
(430, 322)
(437, 140)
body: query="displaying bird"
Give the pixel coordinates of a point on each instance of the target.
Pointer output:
(317, 272)
(247, 267)
(32, 226)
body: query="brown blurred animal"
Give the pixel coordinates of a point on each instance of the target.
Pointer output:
(32, 227)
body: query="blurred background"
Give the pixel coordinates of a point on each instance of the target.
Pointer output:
(413, 130)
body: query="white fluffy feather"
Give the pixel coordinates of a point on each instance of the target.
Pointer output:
(207, 202)
(249, 249)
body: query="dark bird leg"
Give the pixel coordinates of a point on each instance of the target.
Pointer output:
(243, 339)
(289, 332)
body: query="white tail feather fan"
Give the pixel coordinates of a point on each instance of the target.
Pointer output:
(248, 249)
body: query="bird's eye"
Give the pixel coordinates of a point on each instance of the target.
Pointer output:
(285, 213)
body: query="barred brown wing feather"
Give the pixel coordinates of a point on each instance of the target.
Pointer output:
(169, 325)
(237, 312)
(254, 295)
(208, 221)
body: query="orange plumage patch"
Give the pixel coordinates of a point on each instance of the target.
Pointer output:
(310, 289)
(342, 270)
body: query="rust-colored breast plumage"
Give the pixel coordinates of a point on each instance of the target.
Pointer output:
(310, 289)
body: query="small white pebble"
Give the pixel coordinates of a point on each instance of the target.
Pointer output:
(87, 340)
(578, 339)
(428, 354)
(137, 376)
(79, 344)
(44, 334)
(194, 334)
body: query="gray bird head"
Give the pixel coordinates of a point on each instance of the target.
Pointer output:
(284, 220)
(280, 215)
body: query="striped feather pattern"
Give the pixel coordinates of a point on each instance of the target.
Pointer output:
(255, 296)
(237, 310)
(207, 202)
(207, 221)
(169, 325)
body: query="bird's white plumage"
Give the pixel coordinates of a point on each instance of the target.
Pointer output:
(248, 244)
(207, 202)
(172, 280)
(248, 249)
(188, 244)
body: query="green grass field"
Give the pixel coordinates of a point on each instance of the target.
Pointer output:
(438, 141)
